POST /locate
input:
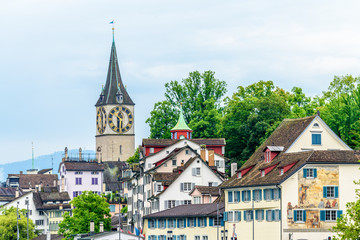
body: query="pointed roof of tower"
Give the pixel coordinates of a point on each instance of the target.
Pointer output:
(181, 124)
(113, 83)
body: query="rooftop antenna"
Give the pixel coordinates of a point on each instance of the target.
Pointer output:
(32, 145)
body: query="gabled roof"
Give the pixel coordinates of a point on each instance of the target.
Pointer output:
(8, 194)
(275, 148)
(114, 83)
(40, 199)
(44, 170)
(287, 132)
(166, 178)
(31, 180)
(191, 210)
(82, 166)
(167, 142)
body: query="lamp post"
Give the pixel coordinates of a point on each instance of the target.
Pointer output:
(222, 234)
(226, 234)
(27, 215)
(17, 221)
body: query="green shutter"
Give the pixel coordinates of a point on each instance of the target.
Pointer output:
(336, 191)
(339, 213)
(315, 173)
(295, 215)
(325, 192)
(305, 171)
(322, 215)
(304, 215)
(211, 221)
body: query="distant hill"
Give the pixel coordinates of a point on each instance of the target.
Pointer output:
(44, 161)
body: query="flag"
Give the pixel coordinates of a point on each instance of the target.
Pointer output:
(137, 231)
(121, 230)
(111, 22)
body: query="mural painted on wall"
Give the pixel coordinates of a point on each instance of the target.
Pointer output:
(311, 188)
(311, 197)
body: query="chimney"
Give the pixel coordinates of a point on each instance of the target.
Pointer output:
(17, 192)
(203, 152)
(80, 150)
(233, 168)
(21, 172)
(92, 226)
(36, 188)
(211, 157)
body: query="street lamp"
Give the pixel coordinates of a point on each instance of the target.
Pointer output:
(27, 215)
(222, 235)
(17, 221)
(226, 234)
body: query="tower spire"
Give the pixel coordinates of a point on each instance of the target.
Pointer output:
(181, 129)
(113, 81)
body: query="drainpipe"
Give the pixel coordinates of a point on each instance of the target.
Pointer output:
(253, 216)
(281, 211)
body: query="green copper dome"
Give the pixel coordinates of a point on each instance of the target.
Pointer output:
(181, 124)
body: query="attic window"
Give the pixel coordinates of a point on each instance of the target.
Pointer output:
(263, 173)
(281, 171)
(316, 125)
(268, 156)
(239, 175)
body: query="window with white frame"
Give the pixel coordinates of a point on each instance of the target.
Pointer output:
(152, 223)
(277, 193)
(216, 221)
(257, 195)
(267, 194)
(330, 191)
(78, 173)
(162, 237)
(171, 203)
(205, 238)
(246, 195)
(191, 222)
(299, 215)
(197, 200)
(197, 171)
(217, 163)
(310, 173)
(269, 215)
(94, 173)
(259, 215)
(281, 171)
(187, 152)
(181, 223)
(172, 223)
(236, 196)
(159, 187)
(181, 237)
(231, 216)
(197, 238)
(248, 215)
(262, 173)
(151, 150)
(162, 223)
(187, 202)
(330, 215)
(277, 215)
(174, 162)
(187, 187)
(202, 222)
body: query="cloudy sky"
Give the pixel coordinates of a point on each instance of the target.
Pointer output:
(54, 57)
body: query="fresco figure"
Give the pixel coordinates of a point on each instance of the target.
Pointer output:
(303, 192)
(321, 204)
(328, 204)
(334, 204)
(290, 213)
(315, 222)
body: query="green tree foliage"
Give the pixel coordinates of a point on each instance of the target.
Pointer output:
(8, 224)
(124, 209)
(200, 94)
(162, 119)
(134, 158)
(87, 207)
(251, 114)
(348, 226)
(342, 109)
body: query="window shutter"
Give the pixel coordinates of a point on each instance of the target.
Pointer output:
(188, 222)
(194, 222)
(211, 222)
(242, 196)
(279, 191)
(184, 222)
(230, 197)
(325, 192)
(336, 191)
(272, 194)
(315, 173)
(222, 222)
(313, 138)
(256, 214)
(305, 171)
(205, 221)
(225, 216)
(253, 194)
(193, 171)
(192, 186)
(267, 215)
(295, 215)
(249, 195)
(273, 215)
(238, 195)
(181, 187)
(264, 194)
(280, 214)
(149, 226)
(239, 215)
(245, 216)
(339, 213)
(182, 202)
(304, 215)
(166, 204)
(178, 223)
(198, 222)
(322, 215)
(176, 203)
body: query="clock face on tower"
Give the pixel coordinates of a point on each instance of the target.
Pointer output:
(101, 120)
(120, 119)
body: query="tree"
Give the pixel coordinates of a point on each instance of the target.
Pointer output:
(8, 230)
(251, 115)
(200, 95)
(342, 109)
(87, 207)
(134, 158)
(348, 226)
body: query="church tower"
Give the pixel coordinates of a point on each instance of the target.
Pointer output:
(115, 135)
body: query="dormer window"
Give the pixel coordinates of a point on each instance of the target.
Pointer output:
(119, 98)
(239, 175)
(281, 171)
(268, 156)
(270, 152)
(263, 173)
